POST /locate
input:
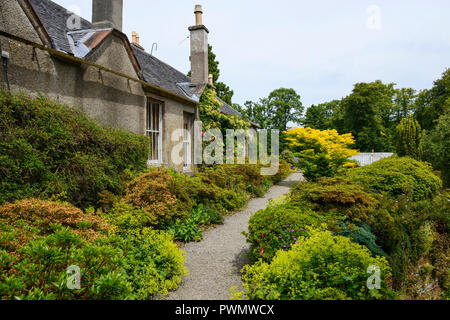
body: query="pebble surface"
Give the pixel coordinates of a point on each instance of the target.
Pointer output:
(214, 264)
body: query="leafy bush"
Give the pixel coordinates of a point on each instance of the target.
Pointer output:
(151, 260)
(40, 217)
(126, 217)
(397, 176)
(322, 266)
(186, 230)
(37, 271)
(288, 156)
(158, 193)
(122, 259)
(336, 198)
(320, 153)
(278, 227)
(363, 235)
(204, 216)
(72, 159)
(316, 166)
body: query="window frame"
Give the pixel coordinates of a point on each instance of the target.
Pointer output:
(188, 119)
(149, 131)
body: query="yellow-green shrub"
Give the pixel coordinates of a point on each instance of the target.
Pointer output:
(322, 266)
(153, 263)
(321, 152)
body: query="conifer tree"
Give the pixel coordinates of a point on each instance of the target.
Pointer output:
(408, 138)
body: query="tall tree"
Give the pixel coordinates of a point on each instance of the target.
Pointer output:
(408, 138)
(432, 104)
(367, 113)
(436, 147)
(404, 103)
(256, 112)
(213, 64)
(284, 107)
(224, 92)
(321, 116)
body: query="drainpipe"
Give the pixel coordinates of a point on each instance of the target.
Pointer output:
(5, 59)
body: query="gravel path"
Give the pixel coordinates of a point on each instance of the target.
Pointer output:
(215, 263)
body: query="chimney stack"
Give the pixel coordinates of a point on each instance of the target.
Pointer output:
(107, 14)
(199, 52)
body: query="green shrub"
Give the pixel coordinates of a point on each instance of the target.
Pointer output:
(396, 176)
(278, 227)
(335, 197)
(319, 267)
(204, 216)
(151, 260)
(37, 271)
(158, 193)
(121, 259)
(316, 167)
(126, 217)
(186, 230)
(52, 151)
(34, 217)
(288, 156)
(363, 235)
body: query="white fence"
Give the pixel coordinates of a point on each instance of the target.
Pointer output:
(364, 159)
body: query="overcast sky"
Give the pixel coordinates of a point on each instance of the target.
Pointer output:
(319, 48)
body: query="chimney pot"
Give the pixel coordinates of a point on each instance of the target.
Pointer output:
(198, 15)
(211, 80)
(135, 37)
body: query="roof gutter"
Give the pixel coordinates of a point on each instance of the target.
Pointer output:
(65, 56)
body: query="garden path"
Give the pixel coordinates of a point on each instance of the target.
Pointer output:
(214, 264)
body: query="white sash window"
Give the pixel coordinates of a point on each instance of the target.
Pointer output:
(154, 130)
(187, 138)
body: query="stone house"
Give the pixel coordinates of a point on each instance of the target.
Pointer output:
(93, 66)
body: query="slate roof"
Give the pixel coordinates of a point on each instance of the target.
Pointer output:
(54, 18)
(229, 110)
(162, 75)
(79, 43)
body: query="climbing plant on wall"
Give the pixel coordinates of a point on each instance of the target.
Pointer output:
(211, 116)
